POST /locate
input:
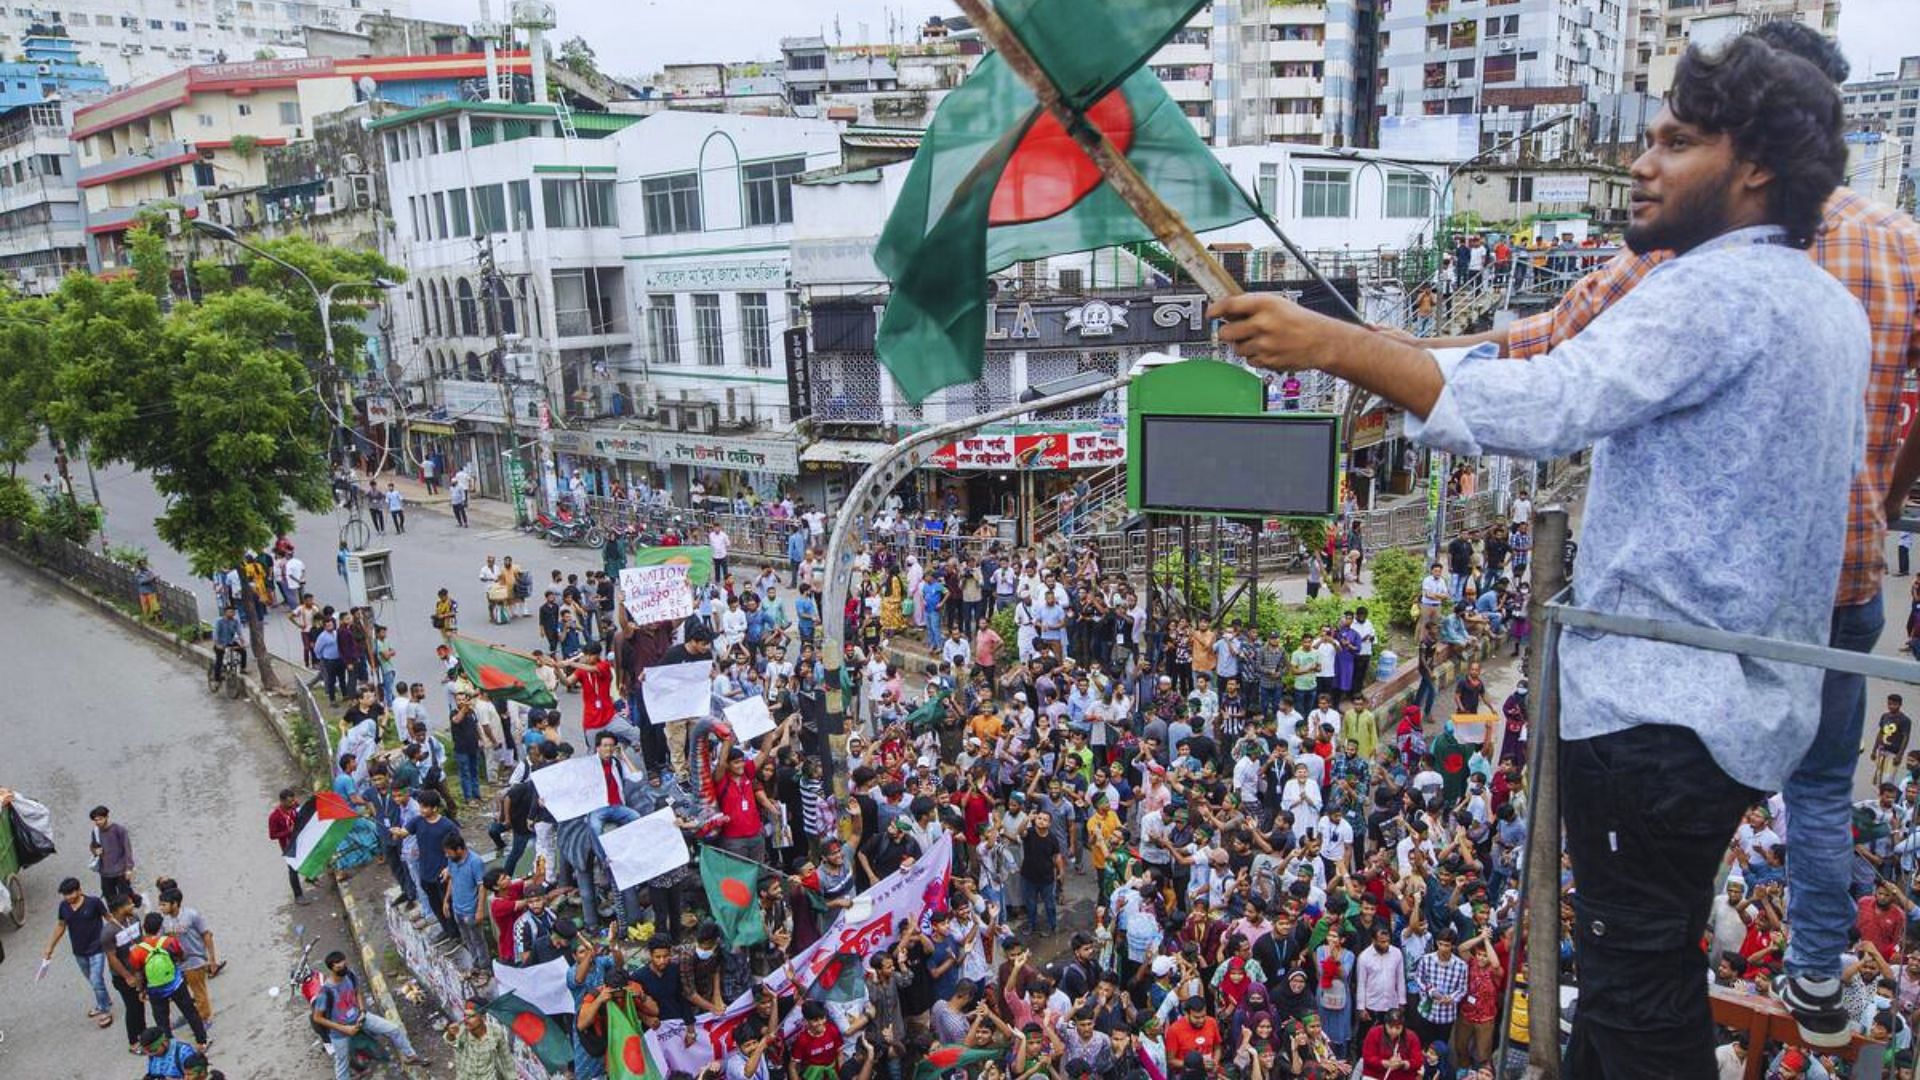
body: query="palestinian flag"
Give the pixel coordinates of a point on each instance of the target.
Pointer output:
(627, 1055)
(528, 1024)
(733, 894)
(501, 674)
(324, 820)
(841, 979)
(930, 712)
(697, 559)
(942, 1060)
(997, 178)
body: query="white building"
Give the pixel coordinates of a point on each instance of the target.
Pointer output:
(137, 40)
(1887, 103)
(42, 220)
(1876, 166)
(1660, 30)
(1260, 73)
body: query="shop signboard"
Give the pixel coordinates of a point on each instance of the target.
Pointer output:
(1094, 449)
(780, 456)
(1042, 451)
(517, 484)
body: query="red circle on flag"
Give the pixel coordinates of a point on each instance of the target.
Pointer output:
(735, 892)
(1048, 173)
(633, 1054)
(1453, 763)
(492, 678)
(943, 1057)
(530, 1028)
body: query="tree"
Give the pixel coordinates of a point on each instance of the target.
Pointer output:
(578, 57)
(26, 386)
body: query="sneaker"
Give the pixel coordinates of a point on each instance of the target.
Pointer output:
(1822, 1020)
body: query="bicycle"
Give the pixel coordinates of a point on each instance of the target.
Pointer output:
(227, 673)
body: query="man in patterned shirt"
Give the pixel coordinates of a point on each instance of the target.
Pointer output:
(1441, 978)
(1874, 252)
(1684, 388)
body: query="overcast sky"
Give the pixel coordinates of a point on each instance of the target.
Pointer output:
(635, 37)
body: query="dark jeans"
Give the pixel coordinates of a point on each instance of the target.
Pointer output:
(379, 517)
(333, 675)
(135, 1005)
(436, 894)
(293, 879)
(114, 885)
(1648, 817)
(397, 866)
(182, 1000)
(471, 764)
(399, 521)
(460, 514)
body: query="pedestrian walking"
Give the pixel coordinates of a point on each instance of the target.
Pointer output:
(457, 498)
(396, 508)
(156, 958)
(80, 918)
(376, 506)
(282, 824)
(112, 848)
(430, 475)
(187, 926)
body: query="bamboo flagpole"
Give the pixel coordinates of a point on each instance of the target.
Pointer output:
(1167, 225)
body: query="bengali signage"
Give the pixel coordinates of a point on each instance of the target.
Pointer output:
(463, 399)
(1560, 189)
(1041, 451)
(716, 276)
(762, 455)
(300, 68)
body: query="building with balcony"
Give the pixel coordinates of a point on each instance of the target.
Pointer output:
(515, 314)
(42, 234)
(173, 141)
(1887, 103)
(1500, 64)
(1248, 73)
(1521, 194)
(136, 42)
(1660, 30)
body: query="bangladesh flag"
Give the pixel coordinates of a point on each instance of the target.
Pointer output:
(998, 179)
(840, 979)
(698, 560)
(1450, 761)
(942, 1060)
(502, 674)
(733, 893)
(324, 820)
(627, 1055)
(528, 1024)
(929, 712)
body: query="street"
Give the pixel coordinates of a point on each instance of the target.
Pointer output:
(104, 717)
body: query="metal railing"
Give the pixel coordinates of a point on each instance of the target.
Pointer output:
(101, 575)
(1103, 487)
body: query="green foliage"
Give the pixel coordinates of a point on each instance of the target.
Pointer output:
(69, 519)
(17, 502)
(1396, 585)
(577, 56)
(127, 554)
(26, 385)
(152, 267)
(244, 146)
(326, 267)
(1290, 621)
(1008, 653)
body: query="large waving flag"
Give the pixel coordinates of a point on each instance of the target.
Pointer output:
(323, 821)
(528, 1024)
(502, 674)
(998, 179)
(627, 1055)
(733, 895)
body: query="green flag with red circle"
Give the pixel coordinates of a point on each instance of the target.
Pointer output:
(942, 1060)
(539, 1031)
(998, 179)
(627, 1055)
(841, 979)
(501, 674)
(733, 895)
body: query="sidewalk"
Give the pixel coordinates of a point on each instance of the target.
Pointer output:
(482, 513)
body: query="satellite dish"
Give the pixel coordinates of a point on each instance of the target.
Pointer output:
(368, 88)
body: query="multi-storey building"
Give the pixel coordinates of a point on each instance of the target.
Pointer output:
(199, 130)
(1508, 64)
(1659, 30)
(138, 40)
(1250, 71)
(1887, 103)
(49, 66)
(41, 228)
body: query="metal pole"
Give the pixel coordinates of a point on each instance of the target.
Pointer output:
(1542, 879)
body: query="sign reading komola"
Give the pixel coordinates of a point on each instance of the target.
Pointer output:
(656, 593)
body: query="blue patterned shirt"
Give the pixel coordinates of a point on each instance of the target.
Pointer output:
(1723, 401)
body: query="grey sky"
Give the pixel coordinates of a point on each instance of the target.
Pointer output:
(633, 37)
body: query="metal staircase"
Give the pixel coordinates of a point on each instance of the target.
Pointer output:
(1104, 507)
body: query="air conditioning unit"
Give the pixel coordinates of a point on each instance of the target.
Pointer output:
(700, 418)
(362, 186)
(1506, 46)
(323, 204)
(350, 162)
(667, 415)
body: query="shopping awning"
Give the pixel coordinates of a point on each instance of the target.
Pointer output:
(844, 452)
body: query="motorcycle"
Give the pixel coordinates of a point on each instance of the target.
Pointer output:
(572, 529)
(364, 1051)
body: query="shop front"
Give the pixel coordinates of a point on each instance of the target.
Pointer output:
(697, 470)
(1014, 480)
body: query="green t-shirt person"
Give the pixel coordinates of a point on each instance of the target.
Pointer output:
(1306, 667)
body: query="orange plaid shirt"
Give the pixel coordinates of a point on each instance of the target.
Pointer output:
(1875, 253)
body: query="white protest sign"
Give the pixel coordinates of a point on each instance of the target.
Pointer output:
(656, 593)
(543, 986)
(640, 851)
(678, 691)
(749, 719)
(572, 788)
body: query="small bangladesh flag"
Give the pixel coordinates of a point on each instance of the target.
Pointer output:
(628, 1057)
(942, 1060)
(998, 179)
(733, 893)
(528, 1024)
(697, 558)
(1450, 760)
(502, 674)
(323, 821)
(839, 980)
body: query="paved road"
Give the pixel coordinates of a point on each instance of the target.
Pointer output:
(100, 715)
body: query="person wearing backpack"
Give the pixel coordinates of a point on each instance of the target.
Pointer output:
(338, 1016)
(156, 959)
(167, 1058)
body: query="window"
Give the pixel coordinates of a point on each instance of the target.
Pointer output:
(1519, 189)
(243, 109)
(520, 205)
(1409, 195)
(413, 209)
(756, 338)
(433, 138)
(672, 203)
(1463, 69)
(393, 146)
(49, 165)
(205, 120)
(290, 112)
(489, 209)
(179, 27)
(663, 328)
(770, 190)
(706, 330)
(1189, 35)
(1267, 190)
(571, 315)
(577, 204)
(1499, 68)
(469, 309)
(203, 174)
(1326, 193)
(440, 216)
(462, 224)
(450, 136)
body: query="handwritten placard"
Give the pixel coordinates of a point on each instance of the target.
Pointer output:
(655, 594)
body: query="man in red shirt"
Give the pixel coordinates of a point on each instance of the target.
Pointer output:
(816, 1045)
(1883, 919)
(595, 676)
(506, 899)
(614, 768)
(741, 800)
(282, 826)
(1194, 1032)
(1390, 1051)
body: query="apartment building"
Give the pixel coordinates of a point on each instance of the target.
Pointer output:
(140, 40)
(42, 236)
(1659, 30)
(1887, 103)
